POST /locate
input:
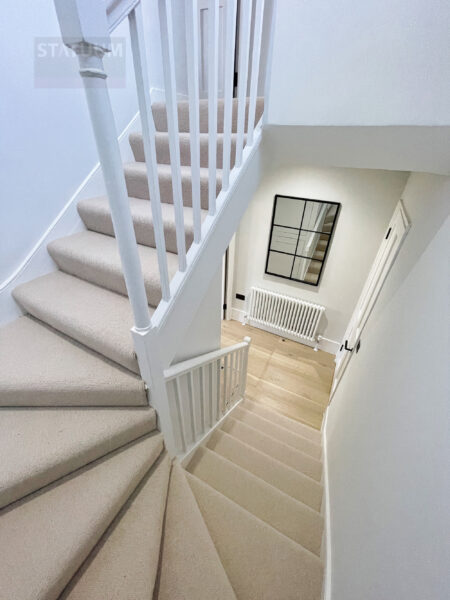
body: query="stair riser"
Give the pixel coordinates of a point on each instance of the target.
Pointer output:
(285, 454)
(144, 231)
(137, 186)
(163, 154)
(111, 280)
(282, 512)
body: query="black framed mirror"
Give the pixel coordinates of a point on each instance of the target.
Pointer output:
(300, 238)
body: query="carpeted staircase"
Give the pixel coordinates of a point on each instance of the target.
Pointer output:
(91, 505)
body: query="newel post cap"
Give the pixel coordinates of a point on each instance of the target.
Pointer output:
(83, 22)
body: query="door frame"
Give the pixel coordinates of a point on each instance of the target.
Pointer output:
(397, 230)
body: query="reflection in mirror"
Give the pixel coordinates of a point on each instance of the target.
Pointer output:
(284, 239)
(300, 238)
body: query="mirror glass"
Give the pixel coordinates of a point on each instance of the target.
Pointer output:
(300, 237)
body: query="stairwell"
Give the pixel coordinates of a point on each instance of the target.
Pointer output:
(92, 506)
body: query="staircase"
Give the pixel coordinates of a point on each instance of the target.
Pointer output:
(93, 503)
(93, 507)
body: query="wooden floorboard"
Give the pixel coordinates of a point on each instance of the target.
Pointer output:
(285, 375)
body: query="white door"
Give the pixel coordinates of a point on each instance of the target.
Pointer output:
(203, 47)
(396, 232)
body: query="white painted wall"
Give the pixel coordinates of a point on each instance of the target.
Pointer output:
(205, 329)
(375, 62)
(387, 426)
(47, 146)
(368, 199)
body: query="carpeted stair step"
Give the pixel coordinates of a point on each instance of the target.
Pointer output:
(261, 563)
(160, 115)
(94, 316)
(163, 154)
(124, 563)
(275, 417)
(137, 185)
(264, 443)
(96, 216)
(278, 432)
(72, 439)
(47, 536)
(190, 567)
(41, 367)
(288, 480)
(287, 515)
(314, 268)
(95, 257)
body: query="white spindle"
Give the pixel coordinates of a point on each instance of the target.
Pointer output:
(225, 382)
(180, 414)
(148, 135)
(165, 13)
(193, 415)
(218, 387)
(192, 52)
(202, 395)
(247, 340)
(230, 42)
(256, 53)
(213, 73)
(245, 15)
(212, 417)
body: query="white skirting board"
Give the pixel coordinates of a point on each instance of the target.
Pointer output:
(326, 345)
(327, 557)
(68, 221)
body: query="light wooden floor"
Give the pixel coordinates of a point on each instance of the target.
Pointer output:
(287, 376)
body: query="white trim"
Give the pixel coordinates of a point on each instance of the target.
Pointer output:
(38, 262)
(238, 315)
(326, 592)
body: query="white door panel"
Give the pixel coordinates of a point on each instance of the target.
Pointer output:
(397, 230)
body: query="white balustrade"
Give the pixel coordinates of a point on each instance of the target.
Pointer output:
(187, 406)
(202, 391)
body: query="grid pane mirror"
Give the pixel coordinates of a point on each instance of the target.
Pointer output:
(300, 237)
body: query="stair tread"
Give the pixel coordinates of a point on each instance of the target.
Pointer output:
(124, 563)
(160, 115)
(261, 563)
(278, 432)
(137, 185)
(91, 315)
(46, 537)
(285, 514)
(272, 415)
(95, 257)
(41, 367)
(73, 438)
(271, 470)
(190, 566)
(265, 443)
(96, 215)
(163, 153)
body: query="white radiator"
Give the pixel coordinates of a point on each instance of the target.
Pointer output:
(285, 315)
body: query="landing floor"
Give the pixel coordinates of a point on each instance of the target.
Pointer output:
(287, 376)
